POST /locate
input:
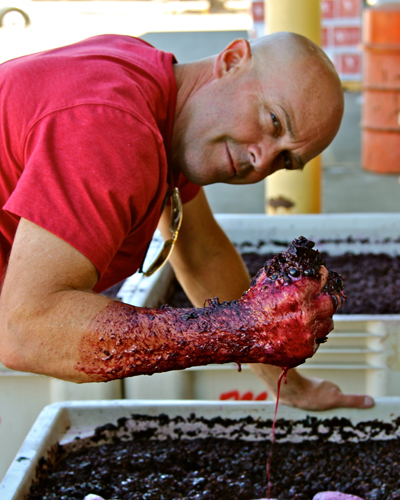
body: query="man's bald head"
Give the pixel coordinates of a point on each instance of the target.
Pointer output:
(273, 103)
(291, 45)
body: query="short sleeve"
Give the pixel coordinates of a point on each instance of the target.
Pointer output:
(91, 173)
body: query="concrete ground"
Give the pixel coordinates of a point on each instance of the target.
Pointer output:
(346, 186)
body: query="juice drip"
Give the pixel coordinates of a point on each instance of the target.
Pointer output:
(282, 375)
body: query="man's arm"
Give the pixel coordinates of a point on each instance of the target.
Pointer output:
(207, 265)
(52, 323)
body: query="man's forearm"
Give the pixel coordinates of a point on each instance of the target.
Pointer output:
(274, 322)
(52, 324)
(80, 336)
(84, 337)
(123, 340)
(69, 340)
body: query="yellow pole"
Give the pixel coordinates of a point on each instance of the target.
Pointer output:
(294, 192)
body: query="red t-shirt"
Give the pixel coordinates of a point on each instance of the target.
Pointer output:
(84, 148)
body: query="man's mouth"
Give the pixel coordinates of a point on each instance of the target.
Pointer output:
(230, 160)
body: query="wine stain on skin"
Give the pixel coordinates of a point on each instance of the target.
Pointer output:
(280, 320)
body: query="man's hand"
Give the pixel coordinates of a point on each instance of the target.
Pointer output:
(286, 320)
(290, 305)
(317, 394)
(309, 393)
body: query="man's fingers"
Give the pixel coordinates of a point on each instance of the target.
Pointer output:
(325, 306)
(324, 275)
(319, 395)
(334, 400)
(353, 401)
(322, 329)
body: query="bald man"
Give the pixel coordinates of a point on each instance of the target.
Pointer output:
(98, 141)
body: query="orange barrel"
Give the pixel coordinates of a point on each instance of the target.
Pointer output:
(381, 89)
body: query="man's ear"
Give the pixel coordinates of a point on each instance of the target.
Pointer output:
(232, 57)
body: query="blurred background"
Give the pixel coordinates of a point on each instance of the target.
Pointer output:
(193, 29)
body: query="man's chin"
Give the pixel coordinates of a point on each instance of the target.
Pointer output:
(198, 177)
(240, 181)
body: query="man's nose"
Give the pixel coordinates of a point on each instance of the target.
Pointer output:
(262, 156)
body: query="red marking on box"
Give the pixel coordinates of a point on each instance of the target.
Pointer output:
(229, 395)
(328, 9)
(257, 10)
(350, 8)
(350, 64)
(347, 35)
(247, 396)
(262, 396)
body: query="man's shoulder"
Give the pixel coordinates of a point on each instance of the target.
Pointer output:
(99, 52)
(102, 43)
(114, 70)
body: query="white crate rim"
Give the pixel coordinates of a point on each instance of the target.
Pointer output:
(72, 415)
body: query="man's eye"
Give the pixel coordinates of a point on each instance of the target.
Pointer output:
(275, 121)
(287, 160)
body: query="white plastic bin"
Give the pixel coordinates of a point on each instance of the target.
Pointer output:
(362, 354)
(64, 422)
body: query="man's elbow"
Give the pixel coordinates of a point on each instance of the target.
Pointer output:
(13, 347)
